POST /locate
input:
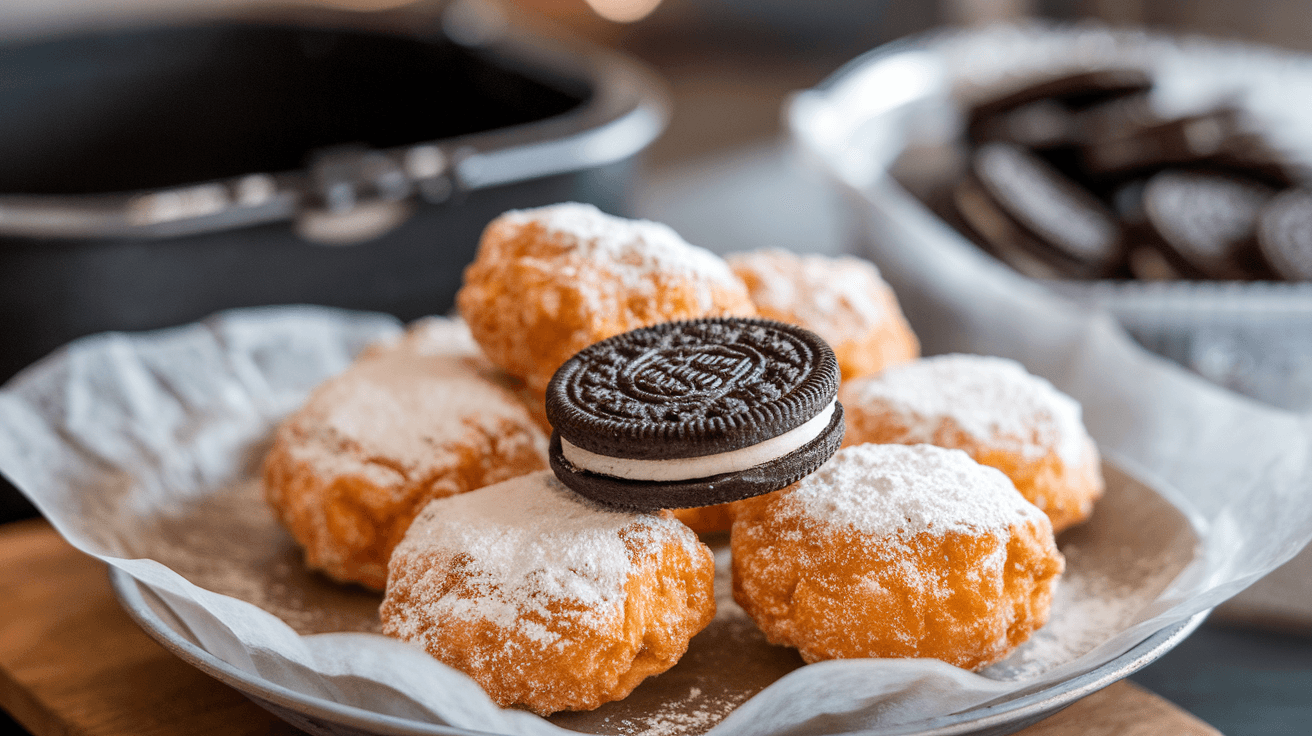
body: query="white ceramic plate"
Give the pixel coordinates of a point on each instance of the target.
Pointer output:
(1137, 542)
(146, 450)
(326, 718)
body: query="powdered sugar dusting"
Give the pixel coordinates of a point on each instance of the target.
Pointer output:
(527, 543)
(815, 288)
(429, 336)
(994, 400)
(881, 490)
(634, 251)
(407, 400)
(694, 713)
(1090, 604)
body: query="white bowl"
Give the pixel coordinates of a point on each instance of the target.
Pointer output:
(903, 103)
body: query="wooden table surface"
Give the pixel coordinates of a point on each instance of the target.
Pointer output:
(72, 664)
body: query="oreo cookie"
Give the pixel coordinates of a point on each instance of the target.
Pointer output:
(1056, 185)
(1146, 258)
(1285, 234)
(1128, 149)
(997, 233)
(1208, 221)
(1079, 235)
(1044, 107)
(1039, 124)
(694, 413)
(1119, 118)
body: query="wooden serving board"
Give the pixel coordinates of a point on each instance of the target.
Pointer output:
(73, 663)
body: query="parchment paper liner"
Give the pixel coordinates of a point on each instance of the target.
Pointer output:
(141, 450)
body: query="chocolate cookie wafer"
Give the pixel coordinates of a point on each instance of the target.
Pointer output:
(1079, 235)
(1284, 234)
(1254, 156)
(1042, 110)
(1146, 258)
(693, 413)
(975, 213)
(1115, 119)
(1207, 221)
(1039, 124)
(1127, 149)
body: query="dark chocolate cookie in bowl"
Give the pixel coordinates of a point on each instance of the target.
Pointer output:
(1192, 171)
(1285, 234)
(1208, 222)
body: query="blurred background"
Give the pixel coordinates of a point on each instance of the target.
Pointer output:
(690, 133)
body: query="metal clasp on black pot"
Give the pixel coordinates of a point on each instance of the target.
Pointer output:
(357, 194)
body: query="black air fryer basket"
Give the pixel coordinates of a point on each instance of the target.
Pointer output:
(154, 175)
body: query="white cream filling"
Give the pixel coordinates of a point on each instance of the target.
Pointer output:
(688, 468)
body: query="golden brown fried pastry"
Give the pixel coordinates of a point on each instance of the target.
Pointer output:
(548, 282)
(534, 401)
(994, 410)
(545, 599)
(413, 419)
(896, 551)
(843, 300)
(706, 519)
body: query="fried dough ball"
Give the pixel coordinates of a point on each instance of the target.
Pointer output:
(534, 401)
(706, 519)
(548, 282)
(843, 300)
(994, 410)
(412, 419)
(545, 599)
(896, 551)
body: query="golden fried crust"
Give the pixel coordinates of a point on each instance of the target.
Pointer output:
(534, 401)
(558, 654)
(968, 600)
(1065, 492)
(843, 300)
(407, 423)
(707, 519)
(348, 524)
(541, 289)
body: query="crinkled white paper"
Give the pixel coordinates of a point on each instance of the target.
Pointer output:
(144, 450)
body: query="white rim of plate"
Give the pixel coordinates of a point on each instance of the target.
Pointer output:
(1003, 717)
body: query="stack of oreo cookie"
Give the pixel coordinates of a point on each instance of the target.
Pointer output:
(1080, 177)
